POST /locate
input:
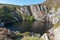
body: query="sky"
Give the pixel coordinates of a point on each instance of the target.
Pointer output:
(21, 2)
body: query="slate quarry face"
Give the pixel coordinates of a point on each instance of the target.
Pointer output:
(39, 13)
(24, 12)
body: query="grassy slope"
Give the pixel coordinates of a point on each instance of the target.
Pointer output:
(52, 3)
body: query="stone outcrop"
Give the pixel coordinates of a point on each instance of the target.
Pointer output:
(38, 11)
(57, 33)
(24, 12)
(6, 34)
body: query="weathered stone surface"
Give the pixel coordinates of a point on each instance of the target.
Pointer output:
(38, 11)
(6, 34)
(57, 33)
(49, 35)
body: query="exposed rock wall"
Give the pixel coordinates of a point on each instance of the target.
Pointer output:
(37, 11)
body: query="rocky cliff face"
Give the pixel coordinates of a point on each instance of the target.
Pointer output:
(25, 12)
(38, 11)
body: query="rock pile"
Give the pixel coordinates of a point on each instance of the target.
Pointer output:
(6, 34)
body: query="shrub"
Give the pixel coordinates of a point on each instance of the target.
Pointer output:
(31, 19)
(26, 34)
(31, 38)
(18, 34)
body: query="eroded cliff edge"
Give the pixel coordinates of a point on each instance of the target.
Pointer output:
(30, 12)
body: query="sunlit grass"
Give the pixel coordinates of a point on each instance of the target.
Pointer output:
(57, 25)
(32, 38)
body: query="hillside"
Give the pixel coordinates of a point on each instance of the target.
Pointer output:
(30, 12)
(52, 3)
(48, 13)
(22, 12)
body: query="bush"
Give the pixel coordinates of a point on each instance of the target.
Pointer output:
(31, 19)
(18, 34)
(26, 34)
(31, 38)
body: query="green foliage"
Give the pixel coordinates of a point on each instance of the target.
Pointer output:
(18, 34)
(12, 8)
(31, 38)
(31, 18)
(1, 11)
(5, 11)
(26, 34)
(27, 18)
(24, 16)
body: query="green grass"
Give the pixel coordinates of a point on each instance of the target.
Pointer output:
(31, 38)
